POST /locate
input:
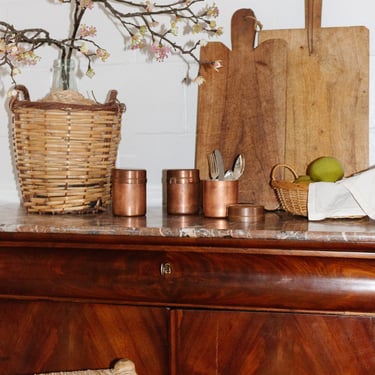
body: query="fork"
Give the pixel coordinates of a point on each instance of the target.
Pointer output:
(220, 164)
(212, 165)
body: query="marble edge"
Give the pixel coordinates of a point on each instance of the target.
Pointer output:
(274, 226)
(196, 232)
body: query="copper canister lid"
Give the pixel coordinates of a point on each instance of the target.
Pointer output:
(182, 176)
(129, 176)
(245, 212)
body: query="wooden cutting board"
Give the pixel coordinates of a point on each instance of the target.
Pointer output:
(241, 108)
(327, 92)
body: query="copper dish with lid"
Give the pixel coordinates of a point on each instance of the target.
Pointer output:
(245, 213)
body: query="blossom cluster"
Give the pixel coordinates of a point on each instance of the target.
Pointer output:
(17, 54)
(149, 26)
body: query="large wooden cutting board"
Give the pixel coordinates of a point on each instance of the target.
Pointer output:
(241, 108)
(327, 92)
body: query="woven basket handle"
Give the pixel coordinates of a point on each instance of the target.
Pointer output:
(112, 97)
(277, 166)
(20, 89)
(113, 101)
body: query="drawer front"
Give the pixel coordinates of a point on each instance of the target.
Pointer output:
(184, 277)
(81, 273)
(249, 280)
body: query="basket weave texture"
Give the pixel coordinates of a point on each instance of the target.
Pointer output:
(64, 152)
(122, 367)
(292, 196)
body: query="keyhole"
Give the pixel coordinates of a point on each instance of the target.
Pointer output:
(165, 269)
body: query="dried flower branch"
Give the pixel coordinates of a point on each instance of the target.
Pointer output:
(151, 26)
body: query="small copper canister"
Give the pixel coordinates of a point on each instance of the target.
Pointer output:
(183, 191)
(217, 196)
(129, 192)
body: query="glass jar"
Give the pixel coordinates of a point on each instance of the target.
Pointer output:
(64, 75)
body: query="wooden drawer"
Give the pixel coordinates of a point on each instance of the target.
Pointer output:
(271, 281)
(182, 276)
(82, 273)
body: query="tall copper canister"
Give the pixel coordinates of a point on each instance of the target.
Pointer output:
(183, 191)
(129, 192)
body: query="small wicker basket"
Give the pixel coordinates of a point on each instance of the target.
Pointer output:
(64, 152)
(292, 196)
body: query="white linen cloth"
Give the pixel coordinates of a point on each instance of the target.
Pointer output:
(350, 197)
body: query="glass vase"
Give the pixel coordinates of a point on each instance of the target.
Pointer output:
(64, 75)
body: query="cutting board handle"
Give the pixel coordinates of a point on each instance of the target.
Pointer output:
(313, 20)
(243, 25)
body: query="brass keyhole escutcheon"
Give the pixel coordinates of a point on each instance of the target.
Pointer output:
(166, 269)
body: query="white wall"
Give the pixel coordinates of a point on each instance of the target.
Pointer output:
(159, 124)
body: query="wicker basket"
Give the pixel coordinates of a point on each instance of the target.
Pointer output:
(292, 196)
(64, 152)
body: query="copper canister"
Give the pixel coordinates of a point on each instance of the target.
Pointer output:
(129, 192)
(217, 196)
(183, 191)
(246, 213)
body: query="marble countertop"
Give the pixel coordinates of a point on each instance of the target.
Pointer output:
(274, 226)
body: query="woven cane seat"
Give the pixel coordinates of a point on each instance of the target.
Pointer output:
(122, 367)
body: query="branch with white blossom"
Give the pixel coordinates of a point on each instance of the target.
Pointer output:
(153, 27)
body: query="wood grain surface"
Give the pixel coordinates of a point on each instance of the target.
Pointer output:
(327, 92)
(273, 343)
(228, 305)
(46, 336)
(241, 108)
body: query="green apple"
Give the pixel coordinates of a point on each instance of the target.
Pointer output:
(305, 179)
(325, 168)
